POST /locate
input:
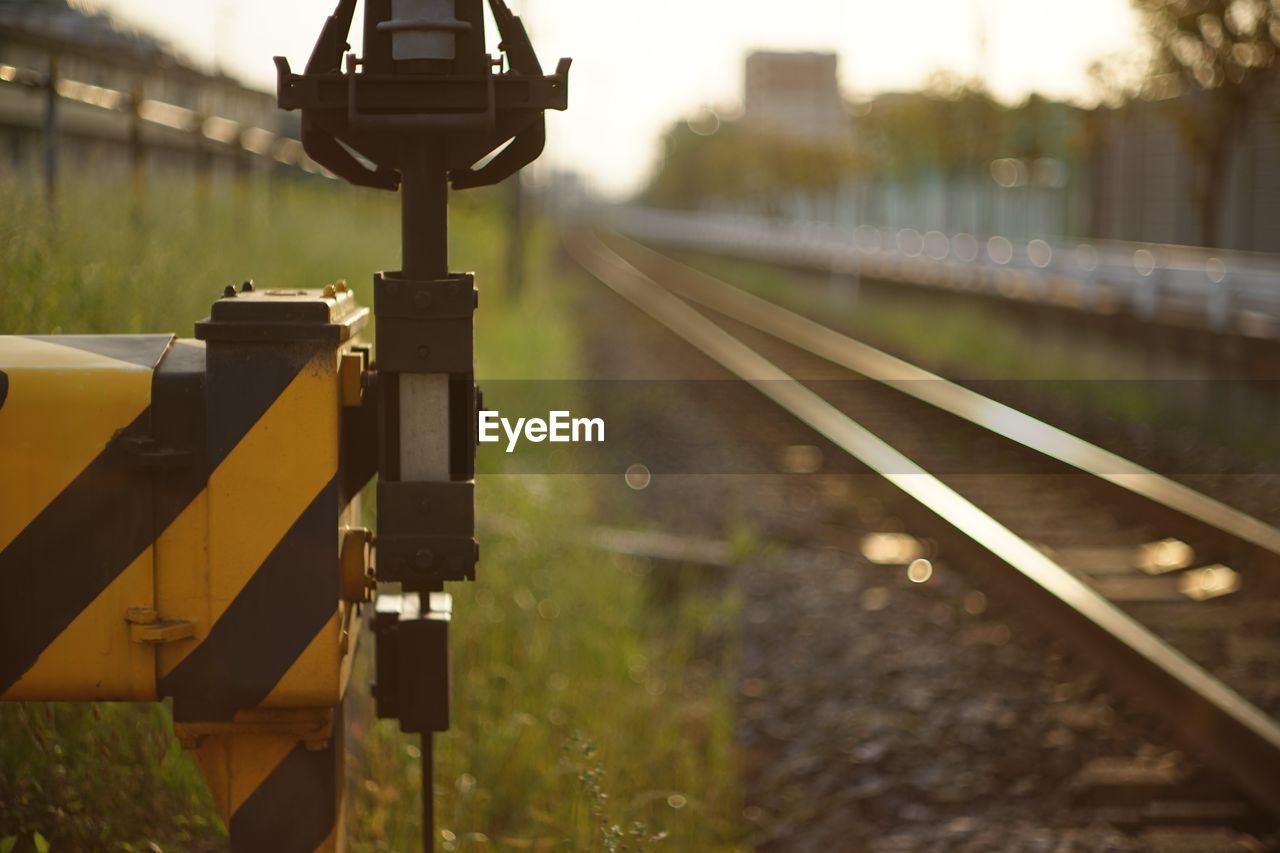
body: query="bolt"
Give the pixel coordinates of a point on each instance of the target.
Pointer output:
(229, 292)
(422, 300)
(341, 286)
(329, 292)
(246, 286)
(424, 352)
(424, 559)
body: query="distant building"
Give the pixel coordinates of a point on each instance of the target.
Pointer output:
(796, 95)
(123, 97)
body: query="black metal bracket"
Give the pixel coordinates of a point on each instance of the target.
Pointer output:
(424, 533)
(354, 121)
(412, 667)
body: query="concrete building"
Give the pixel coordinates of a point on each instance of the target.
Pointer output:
(795, 95)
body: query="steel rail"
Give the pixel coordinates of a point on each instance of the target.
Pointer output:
(1057, 444)
(1224, 728)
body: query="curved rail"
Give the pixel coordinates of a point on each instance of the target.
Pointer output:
(1217, 722)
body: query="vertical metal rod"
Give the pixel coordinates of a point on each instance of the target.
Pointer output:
(137, 149)
(424, 213)
(424, 221)
(428, 794)
(424, 237)
(201, 160)
(51, 129)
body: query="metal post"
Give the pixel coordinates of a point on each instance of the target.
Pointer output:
(424, 205)
(428, 794)
(424, 223)
(201, 160)
(137, 149)
(51, 129)
(425, 92)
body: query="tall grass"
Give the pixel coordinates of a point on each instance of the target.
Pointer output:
(584, 716)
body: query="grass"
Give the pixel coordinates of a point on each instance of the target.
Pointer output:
(585, 715)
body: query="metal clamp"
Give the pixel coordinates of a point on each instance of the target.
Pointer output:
(469, 121)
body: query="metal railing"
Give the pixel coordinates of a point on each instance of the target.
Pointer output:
(197, 128)
(1227, 292)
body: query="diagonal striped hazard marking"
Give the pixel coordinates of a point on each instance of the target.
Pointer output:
(252, 646)
(80, 648)
(272, 506)
(314, 666)
(295, 808)
(77, 534)
(71, 522)
(45, 449)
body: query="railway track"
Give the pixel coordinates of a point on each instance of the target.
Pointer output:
(1167, 592)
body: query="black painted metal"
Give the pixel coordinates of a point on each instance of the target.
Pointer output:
(417, 118)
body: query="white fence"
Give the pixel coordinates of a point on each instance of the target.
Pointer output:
(1222, 291)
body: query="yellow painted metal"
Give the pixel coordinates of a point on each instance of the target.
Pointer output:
(355, 564)
(310, 725)
(253, 497)
(237, 759)
(234, 766)
(64, 405)
(316, 676)
(95, 657)
(351, 369)
(63, 408)
(161, 631)
(183, 591)
(146, 625)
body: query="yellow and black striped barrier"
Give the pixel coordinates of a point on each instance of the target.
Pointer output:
(180, 519)
(177, 520)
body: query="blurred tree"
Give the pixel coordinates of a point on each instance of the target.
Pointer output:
(1117, 78)
(946, 135)
(1224, 51)
(708, 162)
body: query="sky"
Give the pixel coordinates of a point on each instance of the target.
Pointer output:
(639, 66)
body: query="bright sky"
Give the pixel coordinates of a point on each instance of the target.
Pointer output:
(640, 65)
